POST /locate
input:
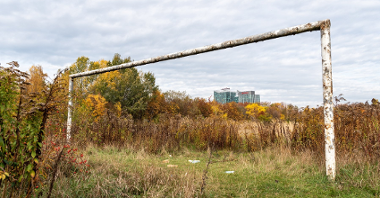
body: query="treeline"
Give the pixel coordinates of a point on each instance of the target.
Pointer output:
(135, 93)
(127, 108)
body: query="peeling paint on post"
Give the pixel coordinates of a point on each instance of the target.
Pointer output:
(69, 113)
(323, 26)
(328, 100)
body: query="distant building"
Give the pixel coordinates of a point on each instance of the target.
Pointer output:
(248, 96)
(226, 95)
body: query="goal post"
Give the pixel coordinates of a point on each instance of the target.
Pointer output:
(322, 26)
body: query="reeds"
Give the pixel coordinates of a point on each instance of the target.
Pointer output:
(356, 130)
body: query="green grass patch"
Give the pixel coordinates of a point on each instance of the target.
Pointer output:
(269, 173)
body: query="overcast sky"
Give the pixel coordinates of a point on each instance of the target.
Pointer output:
(54, 34)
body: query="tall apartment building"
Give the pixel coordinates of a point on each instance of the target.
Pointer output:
(226, 95)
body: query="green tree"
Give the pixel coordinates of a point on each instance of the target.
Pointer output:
(117, 60)
(80, 84)
(131, 88)
(80, 65)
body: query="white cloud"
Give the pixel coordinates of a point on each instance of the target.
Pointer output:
(54, 34)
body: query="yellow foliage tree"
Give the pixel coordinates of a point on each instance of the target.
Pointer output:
(232, 111)
(254, 110)
(96, 65)
(97, 104)
(36, 79)
(257, 111)
(173, 108)
(216, 111)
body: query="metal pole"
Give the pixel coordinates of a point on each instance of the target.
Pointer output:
(328, 100)
(70, 109)
(227, 44)
(323, 26)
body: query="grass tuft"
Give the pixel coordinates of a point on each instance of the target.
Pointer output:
(271, 172)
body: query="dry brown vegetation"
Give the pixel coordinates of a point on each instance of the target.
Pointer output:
(163, 122)
(356, 131)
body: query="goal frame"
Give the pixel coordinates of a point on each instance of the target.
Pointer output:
(322, 26)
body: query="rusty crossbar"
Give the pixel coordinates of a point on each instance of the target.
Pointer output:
(322, 26)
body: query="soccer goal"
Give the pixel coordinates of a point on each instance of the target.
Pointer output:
(322, 26)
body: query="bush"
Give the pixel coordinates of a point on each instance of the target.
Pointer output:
(22, 124)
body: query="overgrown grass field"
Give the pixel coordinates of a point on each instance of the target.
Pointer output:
(272, 172)
(140, 145)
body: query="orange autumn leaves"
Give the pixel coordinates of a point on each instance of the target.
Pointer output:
(97, 103)
(133, 92)
(36, 79)
(163, 103)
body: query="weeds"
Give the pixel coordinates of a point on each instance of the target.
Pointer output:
(32, 127)
(275, 172)
(23, 117)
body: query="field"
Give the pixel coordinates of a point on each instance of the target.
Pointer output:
(140, 146)
(272, 172)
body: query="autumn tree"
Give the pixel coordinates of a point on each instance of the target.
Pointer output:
(257, 111)
(37, 79)
(217, 110)
(80, 84)
(156, 105)
(275, 110)
(181, 102)
(97, 104)
(96, 65)
(128, 89)
(233, 111)
(204, 107)
(131, 88)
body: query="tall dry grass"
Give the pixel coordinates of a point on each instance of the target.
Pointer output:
(356, 131)
(120, 173)
(356, 137)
